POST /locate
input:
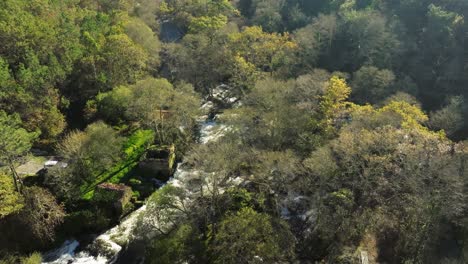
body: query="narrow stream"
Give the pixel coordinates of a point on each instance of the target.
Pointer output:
(108, 243)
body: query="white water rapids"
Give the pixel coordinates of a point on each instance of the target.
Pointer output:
(109, 243)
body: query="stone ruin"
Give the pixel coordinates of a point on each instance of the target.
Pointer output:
(115, 196)
(158, 162)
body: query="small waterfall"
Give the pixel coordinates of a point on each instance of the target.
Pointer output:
(109, 244)
(66, 254)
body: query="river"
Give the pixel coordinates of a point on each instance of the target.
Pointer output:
(108, 244)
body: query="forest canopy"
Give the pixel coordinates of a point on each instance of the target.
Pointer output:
(342, 128)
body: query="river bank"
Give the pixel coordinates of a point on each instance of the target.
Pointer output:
(113, 244)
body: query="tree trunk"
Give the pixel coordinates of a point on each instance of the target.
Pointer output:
(16, 178)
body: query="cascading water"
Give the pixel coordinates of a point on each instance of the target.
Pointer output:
(108, 244)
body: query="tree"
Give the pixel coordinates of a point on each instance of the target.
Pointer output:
(272, 173)
(146, 11)
(11, 201)
(159, 106)
(207, 24)
(193, 14)
(372, 85)
(96, 149)
(142, 35)
(40, 45)
(251, 237)
(41, 213)
(268, 15)
(123, 61)
(268, 118)
(199, 61)
(372, 40)
(375, 182)
(167, 209)
(295, 114)
(34, 258)
(315, 40)
(270, 52)
(87, 154)
(243, 77)
(106, 6)
(332, 104)
(441, 66)
(450, 118)
(295, 16)
(246, 8)
(15, 142)
(180, 245)
(441, 29)
(111, 106)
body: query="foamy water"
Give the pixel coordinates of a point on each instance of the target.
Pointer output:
(110, 243)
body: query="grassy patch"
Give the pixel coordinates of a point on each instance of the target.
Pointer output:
(133, 148)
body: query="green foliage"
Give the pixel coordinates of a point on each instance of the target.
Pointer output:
(247, 237)
(267, 51)
(146, 11)
(112, 105)
(270, 117)
(335, 95)
(207, 24)
(442, 22)
(134, 182)
(332, 104)
(10, 200)
(41, 213)
(372, 85)
(125, 61)
(133, 148)
(241, 198)
(15, 142)
(267, 15)
(373, 39)
(155, 104)
(351, 177)
(450, 118)
(316, 39)
(38, 50)
(167, 209)
(142, 35)
(198, 16)
(89, 154)
(34, 258)
(138, 141)
(372, 176)
(176, 247)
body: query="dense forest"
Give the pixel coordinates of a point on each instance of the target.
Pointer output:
(339, 131)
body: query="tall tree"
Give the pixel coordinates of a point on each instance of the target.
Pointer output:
(315, 40)
(15, 142)
(365, 37)
(251, 237)
(371, 85)
(10, 200)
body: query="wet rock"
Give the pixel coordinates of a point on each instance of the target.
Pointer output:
(223, 97)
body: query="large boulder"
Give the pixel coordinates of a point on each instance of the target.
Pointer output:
(224, 96)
